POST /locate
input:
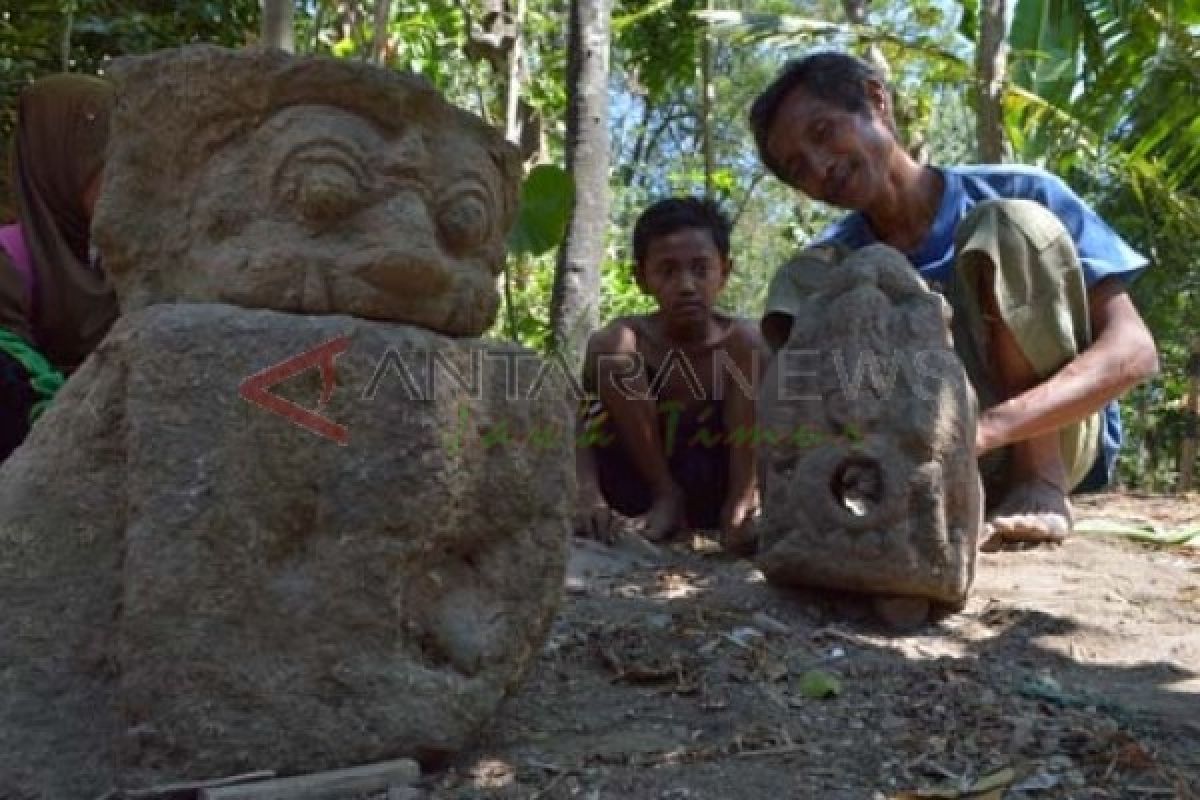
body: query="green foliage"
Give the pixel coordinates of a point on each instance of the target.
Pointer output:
(657, 43)
(35, 35)
(1045, 39)
(1105, 94)
(817, 684)
(525, 313)
(547, 195)
(968, 25)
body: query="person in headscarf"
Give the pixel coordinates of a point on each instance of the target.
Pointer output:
(56, 302)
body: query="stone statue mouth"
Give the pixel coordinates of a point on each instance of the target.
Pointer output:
(858, 488)
(398, 272)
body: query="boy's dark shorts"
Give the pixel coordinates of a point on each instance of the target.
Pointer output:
(697, 457)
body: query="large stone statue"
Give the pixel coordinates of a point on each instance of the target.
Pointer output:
(202, 574)
(870, 477)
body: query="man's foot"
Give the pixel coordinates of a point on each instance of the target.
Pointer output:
(1033, 511)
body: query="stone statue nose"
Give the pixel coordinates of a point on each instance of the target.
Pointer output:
(409, 218)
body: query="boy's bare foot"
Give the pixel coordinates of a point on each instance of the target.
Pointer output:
(739, 527)
(1035, 510)
(664, 516)
(741, 540)
(595, 520)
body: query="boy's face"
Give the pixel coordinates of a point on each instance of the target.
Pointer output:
(684, 272)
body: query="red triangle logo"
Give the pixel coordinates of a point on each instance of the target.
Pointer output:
(254, 389)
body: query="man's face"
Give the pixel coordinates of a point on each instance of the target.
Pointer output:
(833, 155)
(684, 272)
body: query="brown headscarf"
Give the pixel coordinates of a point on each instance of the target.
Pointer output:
(62, 133)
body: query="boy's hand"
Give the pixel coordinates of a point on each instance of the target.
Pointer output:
(597, 522)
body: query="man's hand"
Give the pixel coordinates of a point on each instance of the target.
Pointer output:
(986, 436)
(1121, 355)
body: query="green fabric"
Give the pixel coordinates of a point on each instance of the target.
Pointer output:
(43, 377)
(1041, 295)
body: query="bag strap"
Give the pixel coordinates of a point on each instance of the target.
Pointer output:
(44, 379)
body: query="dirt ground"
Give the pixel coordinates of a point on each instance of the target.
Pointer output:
(1074, 672)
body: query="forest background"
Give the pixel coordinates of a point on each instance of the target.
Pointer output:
(639, 99)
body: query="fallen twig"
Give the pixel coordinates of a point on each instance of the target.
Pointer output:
(845, 636)
(771, 751)
(549, 787)
(186, 788)
(545, 766)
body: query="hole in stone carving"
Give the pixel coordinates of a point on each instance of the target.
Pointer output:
(857, 485)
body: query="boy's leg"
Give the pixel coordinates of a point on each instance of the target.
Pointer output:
(593, 516)
(1020, 314)
(700, 464)
(633, 415)
(607, 477)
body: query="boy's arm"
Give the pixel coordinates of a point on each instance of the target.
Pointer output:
(747, 349)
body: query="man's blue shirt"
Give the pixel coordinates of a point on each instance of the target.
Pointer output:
(1102, 252)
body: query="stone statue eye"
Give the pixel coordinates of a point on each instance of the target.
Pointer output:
(322, 184)
(464, 220)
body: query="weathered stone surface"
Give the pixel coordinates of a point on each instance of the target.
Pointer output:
(874, 487)
(310, 185)
(194, 587)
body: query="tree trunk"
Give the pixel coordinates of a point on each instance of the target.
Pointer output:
(512, 120)
(574, 306)
(903, 109)
(383, 16)
(68, 28)
(277, 24)
(1191, 435)
(706, 103)
(990, 63)
(856, 14)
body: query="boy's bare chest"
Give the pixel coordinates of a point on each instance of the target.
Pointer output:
(686, 375)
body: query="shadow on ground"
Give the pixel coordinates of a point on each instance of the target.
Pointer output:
(683, 675)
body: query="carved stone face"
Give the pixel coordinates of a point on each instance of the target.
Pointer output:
(320, 211)
(307, 186)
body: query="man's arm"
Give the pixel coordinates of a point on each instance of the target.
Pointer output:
(1122, 355)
